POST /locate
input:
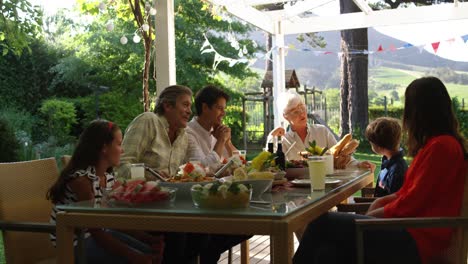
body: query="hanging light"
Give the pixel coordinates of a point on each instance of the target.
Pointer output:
(123, 40)
(145, 27)
(110, 26)
(136, 38)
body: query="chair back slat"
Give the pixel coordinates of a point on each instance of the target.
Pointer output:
(23, 188)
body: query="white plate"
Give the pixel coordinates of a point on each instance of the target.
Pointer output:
(306, 182)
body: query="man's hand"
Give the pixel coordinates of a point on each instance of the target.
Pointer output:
(222, 133)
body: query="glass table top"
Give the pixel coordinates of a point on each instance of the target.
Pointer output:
(275, 204)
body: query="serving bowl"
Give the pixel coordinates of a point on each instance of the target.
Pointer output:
(134, 198)
(183, 188)
(225, 195)
(259, 186)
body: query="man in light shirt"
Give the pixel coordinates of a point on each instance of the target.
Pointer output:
(210, 140)
(158, 138)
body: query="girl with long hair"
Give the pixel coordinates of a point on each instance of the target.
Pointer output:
(84, 177)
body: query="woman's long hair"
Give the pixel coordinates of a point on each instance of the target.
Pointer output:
(87, 153)
(428, 112)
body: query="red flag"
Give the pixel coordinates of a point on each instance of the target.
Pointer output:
(380, 48)
(435, 46)
(392, 47)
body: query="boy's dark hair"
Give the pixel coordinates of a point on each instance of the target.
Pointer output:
(208, 95)
(384, 132)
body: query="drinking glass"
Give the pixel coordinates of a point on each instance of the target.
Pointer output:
(137, 170)
(317, 172)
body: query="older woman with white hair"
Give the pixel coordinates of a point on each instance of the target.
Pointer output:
(297, 138)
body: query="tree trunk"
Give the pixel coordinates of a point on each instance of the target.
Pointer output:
(354, 71)
(137, 8)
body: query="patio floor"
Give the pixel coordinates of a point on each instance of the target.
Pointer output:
(259, 251)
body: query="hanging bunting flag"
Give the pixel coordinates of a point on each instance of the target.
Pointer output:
(450, 41)
(392, 47)
(421, 48)
(465, 38)
(407, 45)
(380, 49)
(435, 46)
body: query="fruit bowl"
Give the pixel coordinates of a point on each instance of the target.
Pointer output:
(138, 192)
(225, 195)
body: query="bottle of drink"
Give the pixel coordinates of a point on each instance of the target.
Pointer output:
(280, 159)
(270, 146)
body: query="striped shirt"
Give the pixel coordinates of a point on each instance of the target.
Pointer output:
(147, 141)
(70, 196)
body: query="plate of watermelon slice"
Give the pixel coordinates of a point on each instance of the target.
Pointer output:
(136, 192)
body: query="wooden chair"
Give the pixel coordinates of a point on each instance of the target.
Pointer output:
(458, 249)
(64, 160)
(25, 211)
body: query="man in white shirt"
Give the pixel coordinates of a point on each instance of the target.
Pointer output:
(209, 140)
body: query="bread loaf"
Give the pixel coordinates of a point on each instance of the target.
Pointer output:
(350, 147)
(336, 149)
(341, 161)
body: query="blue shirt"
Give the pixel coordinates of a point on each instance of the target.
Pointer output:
(391, 176)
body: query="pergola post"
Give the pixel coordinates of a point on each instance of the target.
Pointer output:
(278, 71)
(164, 45)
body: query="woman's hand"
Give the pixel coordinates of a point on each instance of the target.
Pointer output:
(279, 131)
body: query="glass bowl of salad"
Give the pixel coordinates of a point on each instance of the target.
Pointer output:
(221, 195)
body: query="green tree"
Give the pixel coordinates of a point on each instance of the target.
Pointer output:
(59, 117)
(9, 145)
(20, 23)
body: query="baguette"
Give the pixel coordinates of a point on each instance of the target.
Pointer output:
(349, 148)
(341, 161)
(336, 149)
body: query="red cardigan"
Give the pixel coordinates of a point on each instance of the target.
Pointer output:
(433, 187)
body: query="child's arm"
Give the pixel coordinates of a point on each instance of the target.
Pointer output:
(83, 189)
(367, 165)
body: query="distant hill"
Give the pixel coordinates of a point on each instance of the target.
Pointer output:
(323, 70)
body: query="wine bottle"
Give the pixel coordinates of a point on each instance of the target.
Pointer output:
(280, 159)
(270, 146)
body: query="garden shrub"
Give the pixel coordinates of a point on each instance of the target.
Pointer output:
(9, 145)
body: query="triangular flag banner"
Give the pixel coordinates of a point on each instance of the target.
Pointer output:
(392, 47)
(465, 38)
(435, 46)
(327, 52)
(450, 40)
(380, 48)
(421, 47)
(408, 45)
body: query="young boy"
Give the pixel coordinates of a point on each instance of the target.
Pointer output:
(384, 134)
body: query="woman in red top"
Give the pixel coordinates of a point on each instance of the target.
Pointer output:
(438, 170)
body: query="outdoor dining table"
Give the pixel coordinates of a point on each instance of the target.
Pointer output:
(277, 214)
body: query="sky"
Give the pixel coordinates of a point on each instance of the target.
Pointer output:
(451, 45)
